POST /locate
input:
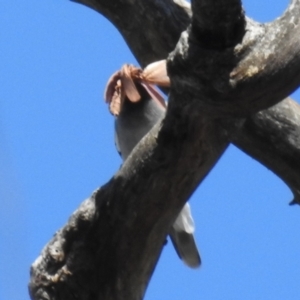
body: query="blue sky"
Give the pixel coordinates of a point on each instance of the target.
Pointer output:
(57, 146)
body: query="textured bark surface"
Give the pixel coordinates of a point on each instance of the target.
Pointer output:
(222, 74)
(110, 246)
(272, 136)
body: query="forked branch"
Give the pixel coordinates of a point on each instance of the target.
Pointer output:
(109, 248)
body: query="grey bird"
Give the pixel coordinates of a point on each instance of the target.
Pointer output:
(137, 107)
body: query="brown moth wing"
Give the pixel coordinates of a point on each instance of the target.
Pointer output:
(110, 86)
(156, 73)
(117, 99)
(154, 93)
(128, 85)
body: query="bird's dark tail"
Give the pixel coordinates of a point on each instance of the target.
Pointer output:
(185, 246)
(183, 239)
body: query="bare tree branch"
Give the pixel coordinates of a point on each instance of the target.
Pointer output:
(223, 77)
(175, 18)
(272, 136)
(218, 24)
(109, 248)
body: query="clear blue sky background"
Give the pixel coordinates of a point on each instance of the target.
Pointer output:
(56, 147)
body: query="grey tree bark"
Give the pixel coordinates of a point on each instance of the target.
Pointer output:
(111, 244)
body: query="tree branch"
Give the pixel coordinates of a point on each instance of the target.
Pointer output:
(219, 23)
(272, 136)
(110, 246)
(163, 43)
(222, 79)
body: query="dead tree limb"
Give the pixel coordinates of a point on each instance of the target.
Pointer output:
(143, 30)
(272, 136)
(110, 246)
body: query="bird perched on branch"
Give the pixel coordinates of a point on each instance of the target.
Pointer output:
(138, 106)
